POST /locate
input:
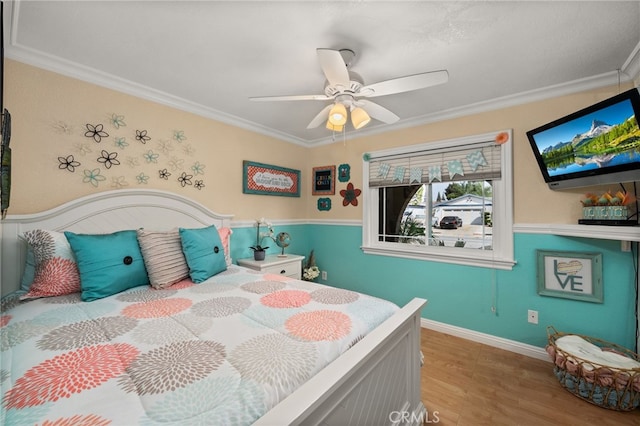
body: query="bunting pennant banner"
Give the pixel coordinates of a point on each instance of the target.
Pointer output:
(415, 175)
(399, 174)
(455, 168)
(383, 170)
(435, 173)
(476, 159)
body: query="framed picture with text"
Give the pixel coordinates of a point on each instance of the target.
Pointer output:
(265, 179)
(570, 275)
(324, 180)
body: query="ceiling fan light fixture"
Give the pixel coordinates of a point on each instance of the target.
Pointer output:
(335, 128)
(359, 118)
(338, 115)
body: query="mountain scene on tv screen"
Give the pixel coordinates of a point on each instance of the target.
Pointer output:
(602, 145)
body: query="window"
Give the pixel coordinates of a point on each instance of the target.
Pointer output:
(447, 201)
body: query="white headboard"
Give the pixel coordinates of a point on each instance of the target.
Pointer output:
(104, 212)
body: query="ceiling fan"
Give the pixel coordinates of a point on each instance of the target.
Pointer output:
(346, 90)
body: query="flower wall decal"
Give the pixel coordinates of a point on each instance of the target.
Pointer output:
(141, 135)
(68, 163)
(96, 132)
(185, 179)
(108, 159)
(93, 177)
(178, 135)
(164, 174)
(139, 159)
(117, 121)
(120, 142)
(350, 195)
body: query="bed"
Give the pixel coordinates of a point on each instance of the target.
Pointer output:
(238, 347)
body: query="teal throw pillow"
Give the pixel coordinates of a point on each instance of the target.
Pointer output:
(204, 252)
(108, 263)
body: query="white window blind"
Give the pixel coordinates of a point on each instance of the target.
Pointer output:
(470, 162)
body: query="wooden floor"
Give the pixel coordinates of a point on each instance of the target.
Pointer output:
(468, 383)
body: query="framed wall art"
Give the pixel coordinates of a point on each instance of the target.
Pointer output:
(324, 180)
(265, 179)
(570, 275)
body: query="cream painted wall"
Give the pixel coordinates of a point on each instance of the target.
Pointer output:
(534, 202)
(42, 102)
(39, 100)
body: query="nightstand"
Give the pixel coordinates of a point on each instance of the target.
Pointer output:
(291, 266)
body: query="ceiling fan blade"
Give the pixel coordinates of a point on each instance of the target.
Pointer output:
(320, 118)
(333, 67)
(378, 112)
(291, 98)
(404, 84)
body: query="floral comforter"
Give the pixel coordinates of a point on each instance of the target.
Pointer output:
(221, 352)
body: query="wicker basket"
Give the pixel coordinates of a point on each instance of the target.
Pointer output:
(602, 385)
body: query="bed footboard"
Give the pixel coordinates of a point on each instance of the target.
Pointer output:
(377, 381)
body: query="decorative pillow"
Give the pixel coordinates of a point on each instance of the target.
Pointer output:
(225, 237)
(204, 252)
(55, 270)
(29, 272)
(108, 263)
(163, 257)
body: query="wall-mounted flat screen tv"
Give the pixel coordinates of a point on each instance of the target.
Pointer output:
(597, 145)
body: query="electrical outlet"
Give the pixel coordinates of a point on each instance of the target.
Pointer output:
(324, 275)
(532, 316)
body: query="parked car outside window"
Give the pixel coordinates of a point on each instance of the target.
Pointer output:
(453, 222)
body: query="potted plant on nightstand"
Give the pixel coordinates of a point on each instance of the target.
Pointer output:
(259, 251)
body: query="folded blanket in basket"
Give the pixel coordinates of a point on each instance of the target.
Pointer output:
(577, 346)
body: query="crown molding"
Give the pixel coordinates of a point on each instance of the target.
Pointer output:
(630, 71)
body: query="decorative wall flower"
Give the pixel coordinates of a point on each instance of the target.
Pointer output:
(142, 178)
(120, 142)
(350, 195)
(93, 177)
(108, 159)
(175, 163)
(164, 174)
(188, 149)
(117, 121)
(132, 162)
(119, 182)
(62, 127)
(150, 156)
(82, 148)
(68, 163)
(141, 135)
(178, 135)
(199, 184)
(164, 146)
(198, 169)
(185, 179)
(96, 132)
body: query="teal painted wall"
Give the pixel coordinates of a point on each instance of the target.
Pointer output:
(243, 238)
(463, 295)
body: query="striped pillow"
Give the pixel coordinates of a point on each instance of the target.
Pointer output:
(163, 257)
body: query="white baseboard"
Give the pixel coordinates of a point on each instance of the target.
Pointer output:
(487, 339)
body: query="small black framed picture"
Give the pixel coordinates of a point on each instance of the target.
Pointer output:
(324, 180)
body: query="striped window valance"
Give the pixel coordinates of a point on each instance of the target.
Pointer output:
(469, 162)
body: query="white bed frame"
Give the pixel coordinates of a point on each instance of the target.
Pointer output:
(377, 381)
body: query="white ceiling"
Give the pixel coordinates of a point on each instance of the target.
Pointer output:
(210, 57)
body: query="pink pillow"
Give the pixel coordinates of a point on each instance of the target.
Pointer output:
(225, 237)
(56, 271)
